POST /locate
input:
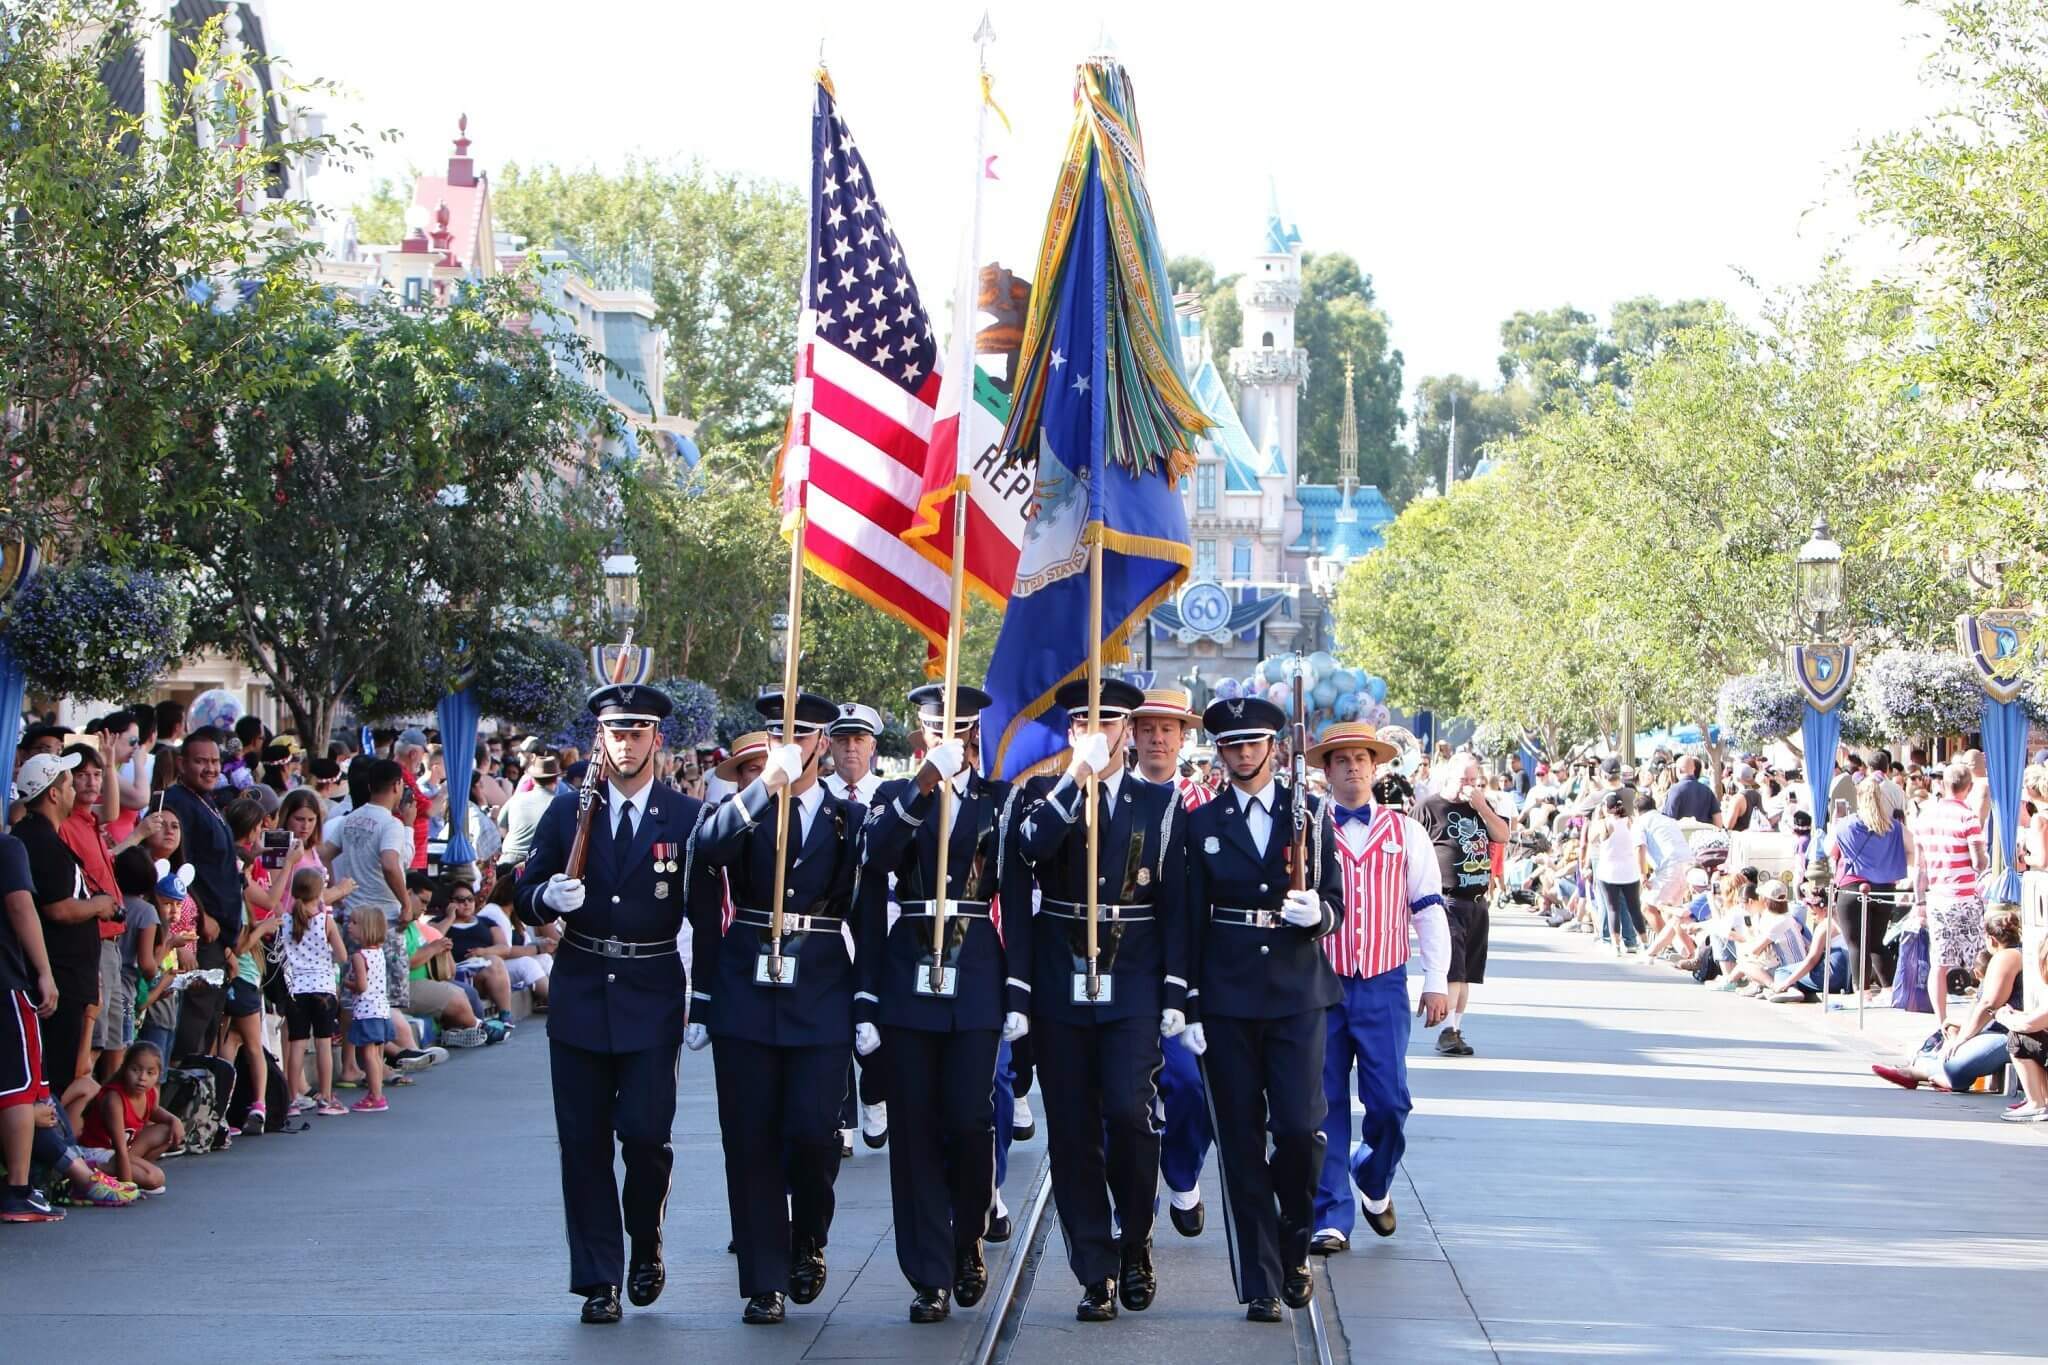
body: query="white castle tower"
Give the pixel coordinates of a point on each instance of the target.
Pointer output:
(1268, 367)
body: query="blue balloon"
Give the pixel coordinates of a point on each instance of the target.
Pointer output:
(1346, 680)
(1325, 693)
(1323, 726)
(1322, 664)
(1347, 706)
(1282, 696)
(1228, 689)
(1272, 671)
(1377, 686)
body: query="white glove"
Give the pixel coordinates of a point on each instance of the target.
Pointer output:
(1090, 755)
(785, 765)
(1015, 1026)
(1197, 1042)
(696, 1037)
(866, 1038)
(563, 894)
(1302, 909)
(947, 758)
(1172, 1023)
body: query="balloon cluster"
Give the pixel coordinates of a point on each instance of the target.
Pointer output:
(1330, 692)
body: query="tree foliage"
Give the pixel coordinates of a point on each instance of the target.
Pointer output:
(726, 253)
(120, 236)
(426, 479)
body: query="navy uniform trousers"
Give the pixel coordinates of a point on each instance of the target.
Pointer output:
(598, 1095)
(1266, 1077)
(782, 1100)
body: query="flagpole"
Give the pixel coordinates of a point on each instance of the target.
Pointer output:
(789, 663)
(1094, 727)
(963, 357)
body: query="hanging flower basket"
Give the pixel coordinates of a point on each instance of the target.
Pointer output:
(1918, 692)
(1757, 709)
(535, 681)
(97, 631)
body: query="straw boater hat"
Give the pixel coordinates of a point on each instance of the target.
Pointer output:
(749, 745)
(1351, 734)
(1172, 702)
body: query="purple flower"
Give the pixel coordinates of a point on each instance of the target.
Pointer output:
(1760, 708)
(1919, 692)
(96, 630)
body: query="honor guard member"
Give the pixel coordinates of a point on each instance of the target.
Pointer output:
(779, 1017)
(616, 999)
(1099, 1057)
(941, 1034)
(850, 740)
(1160, 728)
(1263, 989)
(1392, 879)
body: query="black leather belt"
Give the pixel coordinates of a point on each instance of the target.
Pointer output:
(791, 923)
(614, 947)
(954, 909)
(1124, 914)
(1249, 919)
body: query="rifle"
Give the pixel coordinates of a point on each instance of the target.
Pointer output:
(1297, 854)
(594, 777)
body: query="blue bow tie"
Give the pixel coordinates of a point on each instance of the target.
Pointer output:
(1346, 814)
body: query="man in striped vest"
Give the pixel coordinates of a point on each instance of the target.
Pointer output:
(1391, 880)
(1159, 728)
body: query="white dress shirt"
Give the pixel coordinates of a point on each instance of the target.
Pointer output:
(804, 807)
(621, 803)
(1258, 814)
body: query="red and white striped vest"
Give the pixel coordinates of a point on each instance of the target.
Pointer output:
(1192, 793)
(1374, 935)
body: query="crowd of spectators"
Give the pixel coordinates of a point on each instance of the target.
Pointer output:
(1652, 863)
(210, 936)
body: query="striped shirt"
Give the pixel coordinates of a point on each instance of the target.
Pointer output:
(1390, 873)
(1193, 793)
(1943, 836)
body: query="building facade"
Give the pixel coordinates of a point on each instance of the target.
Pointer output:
(1267, 547)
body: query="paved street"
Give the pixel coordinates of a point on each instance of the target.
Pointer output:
(1665, 1174)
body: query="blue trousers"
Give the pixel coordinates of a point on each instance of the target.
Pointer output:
(1185, 1144)
(1006, 1112)
(1368, 1031)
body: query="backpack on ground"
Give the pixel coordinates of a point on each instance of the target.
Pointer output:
(189, 1094)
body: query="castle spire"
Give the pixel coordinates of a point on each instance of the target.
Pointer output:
(1347, 438)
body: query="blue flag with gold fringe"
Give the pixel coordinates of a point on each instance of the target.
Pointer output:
(1103, 413)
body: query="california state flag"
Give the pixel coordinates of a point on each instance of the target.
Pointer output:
(973, 406)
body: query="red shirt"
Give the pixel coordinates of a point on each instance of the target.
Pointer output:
(419, 821)
(132, 1117)
(1943, 834)
(81, 834)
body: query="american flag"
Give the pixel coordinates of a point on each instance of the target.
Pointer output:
(867, 378)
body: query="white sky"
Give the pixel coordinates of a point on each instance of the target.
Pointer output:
(1474, 157)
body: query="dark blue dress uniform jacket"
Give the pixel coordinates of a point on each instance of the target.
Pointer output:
(902, 837)
(739, 836)
(1141, 862)
(1250, 973)
(606, 1004)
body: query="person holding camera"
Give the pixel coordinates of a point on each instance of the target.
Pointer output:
(1463, 826)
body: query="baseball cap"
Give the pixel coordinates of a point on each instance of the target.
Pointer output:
(1774, 890)
(413, 735)
(40, 771)
(1697, 878)
(1612, 767)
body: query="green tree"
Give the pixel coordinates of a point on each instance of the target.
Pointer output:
(425, 480)
(380, 214)
(119, 233)
(1559, 353)
(726, 253)
(1487, 419)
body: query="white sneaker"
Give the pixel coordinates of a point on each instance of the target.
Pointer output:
(2026, 1113)
(874, 1124)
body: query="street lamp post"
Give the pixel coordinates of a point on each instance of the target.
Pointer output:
(622, 587)
(1822, 671)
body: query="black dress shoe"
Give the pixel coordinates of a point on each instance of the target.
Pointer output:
(763, 1310)
(732, 1247)
(806, 1272)
(1187, 1222)
(999, 1229)
(1328, 1243)
(1262, 1310)
(1299, 1286)
(1383, 1222)
(644, 1281)
(1137, 1285)
(602, 1308)
(970, 1277)
(1098, 1303)
(930, 1304)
